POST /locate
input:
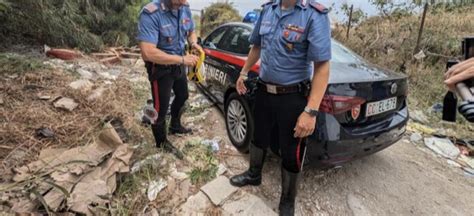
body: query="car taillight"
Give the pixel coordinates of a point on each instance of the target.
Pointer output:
(335, 104)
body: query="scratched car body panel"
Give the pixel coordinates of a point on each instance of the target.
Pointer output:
(344, 130)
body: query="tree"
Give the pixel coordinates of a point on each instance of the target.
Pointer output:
(217, 14)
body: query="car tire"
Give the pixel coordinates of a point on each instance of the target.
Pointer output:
(239, 122)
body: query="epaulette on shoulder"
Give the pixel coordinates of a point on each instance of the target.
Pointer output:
(319, 7)
(150, 8)
(267, 3)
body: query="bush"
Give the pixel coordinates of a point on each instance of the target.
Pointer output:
(72, 23)
(217, 14)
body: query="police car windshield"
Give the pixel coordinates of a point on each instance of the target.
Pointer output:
(341, 54)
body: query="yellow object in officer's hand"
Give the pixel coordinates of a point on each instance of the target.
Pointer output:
(195, 74)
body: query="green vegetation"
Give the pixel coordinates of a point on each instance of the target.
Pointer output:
(217, 14)
(390, 42)
(14, 63)
(87, 25)
(204, 163)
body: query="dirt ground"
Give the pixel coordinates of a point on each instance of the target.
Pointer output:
(405, 179)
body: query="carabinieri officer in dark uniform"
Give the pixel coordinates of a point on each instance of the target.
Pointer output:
(293, 40)
(163, 29)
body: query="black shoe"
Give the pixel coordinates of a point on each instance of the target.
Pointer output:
(289, 183)
(167, 146)
(179, 129)
(253, 176)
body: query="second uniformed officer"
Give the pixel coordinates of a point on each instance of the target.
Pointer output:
(293, 40)
(163, 28)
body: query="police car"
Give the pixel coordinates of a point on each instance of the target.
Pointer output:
(363, 111)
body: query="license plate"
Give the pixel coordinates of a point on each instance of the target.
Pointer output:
(382, 106)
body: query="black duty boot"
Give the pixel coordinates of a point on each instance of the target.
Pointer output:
(176, 127)
(289, 184)
(253, 176)
(159, 132)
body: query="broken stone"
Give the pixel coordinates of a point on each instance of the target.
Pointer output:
(195, 205)
(219, 190)
(44, 132)
(443, 147)
(82, 84)
(247, 204)
(66, 104)
(221, 169)
(416, 137)
(419, 116)
(154, 188)
(96, 94)
(178, 175)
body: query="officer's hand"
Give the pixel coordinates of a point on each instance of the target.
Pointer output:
(198, 47)
(241, 89)
(190, 60)
(305, 125)
(460, 72)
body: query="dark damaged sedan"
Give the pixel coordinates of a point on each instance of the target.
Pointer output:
(363, 111)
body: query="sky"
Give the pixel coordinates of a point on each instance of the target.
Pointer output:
(245, 6)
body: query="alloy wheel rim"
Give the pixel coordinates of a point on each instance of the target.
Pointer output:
(237, 121)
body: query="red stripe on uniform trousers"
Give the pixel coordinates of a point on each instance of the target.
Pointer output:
(156, 94)
(298, 161)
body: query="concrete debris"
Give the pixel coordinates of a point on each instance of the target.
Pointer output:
(416, 137)
(96, 94)
(218, 190)
(221, 169)
(443, 147)
(178, 175)
(82, 84)
(83, 178)
(154, 188)
(247, 204)
(195, 205)
(419, 116)
(67, 104)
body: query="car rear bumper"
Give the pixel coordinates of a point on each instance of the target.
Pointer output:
(334, 145)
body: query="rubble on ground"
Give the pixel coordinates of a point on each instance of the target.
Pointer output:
(80, 180)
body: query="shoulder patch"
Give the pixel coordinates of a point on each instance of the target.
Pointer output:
(319, 7)
(151, 7)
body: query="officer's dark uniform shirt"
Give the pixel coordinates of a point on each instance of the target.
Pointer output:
(166, 28)
(291, 41)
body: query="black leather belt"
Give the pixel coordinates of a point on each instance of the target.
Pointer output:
(161, 67)
(277, 89)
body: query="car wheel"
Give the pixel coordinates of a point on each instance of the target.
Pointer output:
(239, 122)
